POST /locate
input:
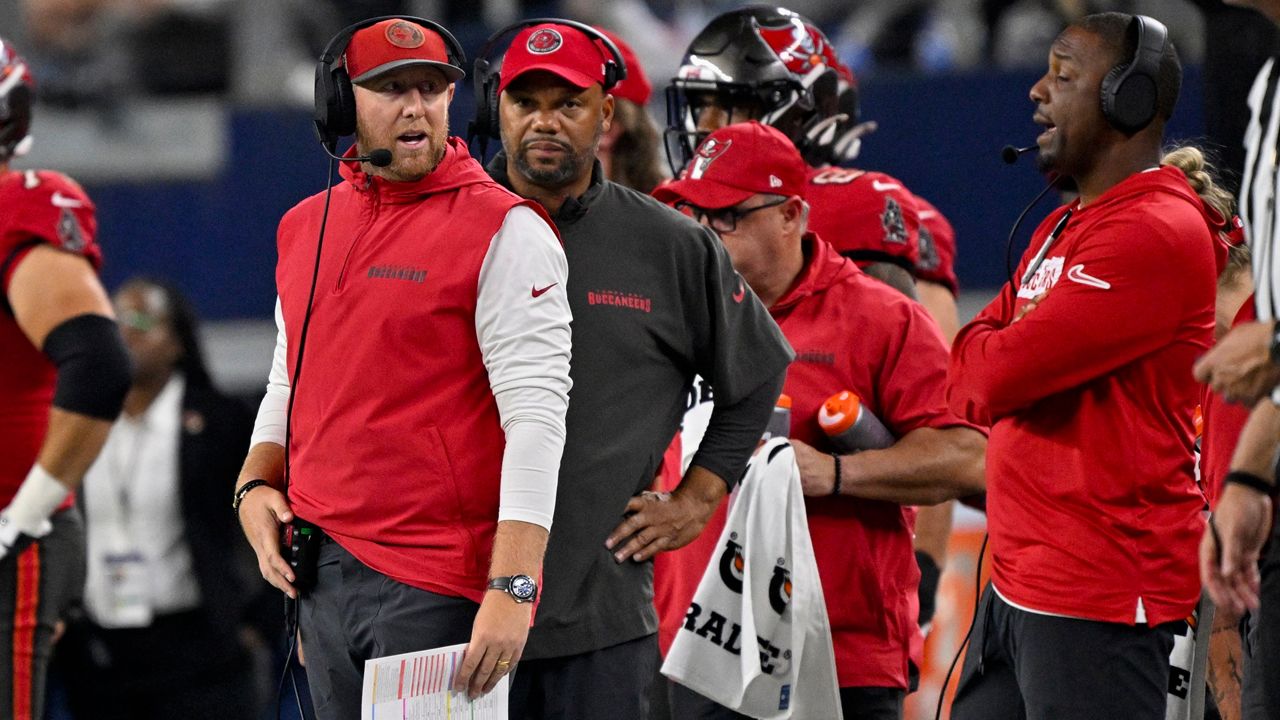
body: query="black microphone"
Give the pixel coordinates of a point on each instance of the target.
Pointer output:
(1010, 153)
(378, 157)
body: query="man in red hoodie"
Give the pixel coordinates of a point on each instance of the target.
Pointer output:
(425, 441)
(850, 332)
(1084, 372)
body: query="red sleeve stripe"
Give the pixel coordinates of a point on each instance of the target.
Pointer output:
(26, 605)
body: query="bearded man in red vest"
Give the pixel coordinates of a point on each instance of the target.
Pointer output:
(425, 441)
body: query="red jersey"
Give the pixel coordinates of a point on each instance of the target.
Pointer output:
(1223, 423)
(937, 248)
(867, 216)
(1092, 504)
(36, 207)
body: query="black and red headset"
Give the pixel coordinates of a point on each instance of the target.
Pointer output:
(487, 76)
(335, 100)
(1131, 90)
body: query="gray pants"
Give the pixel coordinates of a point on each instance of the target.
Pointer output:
(611, 683)
(1025, 666)
(856, 703)
(36, 588)
(1260, 696)
(355, 614)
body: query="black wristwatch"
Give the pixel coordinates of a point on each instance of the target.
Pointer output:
(520, 587)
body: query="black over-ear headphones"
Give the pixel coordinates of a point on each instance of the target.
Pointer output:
(1130, 92)
(335, 111)
(487, 76)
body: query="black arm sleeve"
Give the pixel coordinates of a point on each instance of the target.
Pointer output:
(94, 370)
(734, 430)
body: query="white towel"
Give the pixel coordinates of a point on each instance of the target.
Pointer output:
(756, 637)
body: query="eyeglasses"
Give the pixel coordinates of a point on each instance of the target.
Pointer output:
(724, 220)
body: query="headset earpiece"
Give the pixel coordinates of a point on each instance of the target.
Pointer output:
(1130, 91)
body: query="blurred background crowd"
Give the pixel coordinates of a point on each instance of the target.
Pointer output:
(188, 121)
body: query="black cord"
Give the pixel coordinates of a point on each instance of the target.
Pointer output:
(306, 323)
(291, 629)
(1008, 246)
(291, 605)
(977, 601)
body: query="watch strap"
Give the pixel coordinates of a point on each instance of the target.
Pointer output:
(505, 582)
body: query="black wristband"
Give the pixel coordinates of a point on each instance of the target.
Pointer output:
(244, 490)
(930, 574)
(835, 490)
(1274, 348)
(1248, 479)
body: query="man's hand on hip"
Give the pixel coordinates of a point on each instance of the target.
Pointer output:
(262, 511)
(1231, 546)
(497, 641)
(1239, 367)
(667, 521)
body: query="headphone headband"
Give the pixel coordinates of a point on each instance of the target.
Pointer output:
(338, 44)
(1131, 90)
(1148, 48)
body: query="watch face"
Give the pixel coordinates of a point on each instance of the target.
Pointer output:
(523, 587)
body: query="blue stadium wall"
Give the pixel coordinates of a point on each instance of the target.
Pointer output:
(941, 135)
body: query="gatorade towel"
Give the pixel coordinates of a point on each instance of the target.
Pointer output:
(756, 637)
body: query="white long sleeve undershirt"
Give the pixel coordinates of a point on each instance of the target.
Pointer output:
(525, 343)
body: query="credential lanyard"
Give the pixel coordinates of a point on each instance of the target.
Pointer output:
(1044, 249)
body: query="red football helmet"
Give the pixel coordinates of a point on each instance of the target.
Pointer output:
(16, 87)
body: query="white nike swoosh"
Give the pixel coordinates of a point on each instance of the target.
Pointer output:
(62, 201)
(1077, 274)
(883, 187)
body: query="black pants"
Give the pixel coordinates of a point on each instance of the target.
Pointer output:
(1023, 665)
(856, 703)
(355, 614)
(182, 665)
(609, 683)
(36, 588)
(1260, 696)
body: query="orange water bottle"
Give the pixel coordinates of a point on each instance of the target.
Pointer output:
(851, 426)
(780, 421)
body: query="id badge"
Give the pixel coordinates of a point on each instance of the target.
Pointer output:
(127, 593)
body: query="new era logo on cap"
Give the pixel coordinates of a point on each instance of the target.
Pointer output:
(736, 162)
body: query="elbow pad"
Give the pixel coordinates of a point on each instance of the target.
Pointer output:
(94, 369)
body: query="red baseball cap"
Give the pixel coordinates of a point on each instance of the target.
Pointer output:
(395, 43)
(559, 49)
(736, 162)
(635, 86)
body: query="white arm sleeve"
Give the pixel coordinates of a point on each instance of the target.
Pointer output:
(270, 423)
(522, 323)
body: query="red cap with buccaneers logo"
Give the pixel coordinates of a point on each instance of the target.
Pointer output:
(635, 86)
(396, 43)
(736, 162)
(558, 49)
